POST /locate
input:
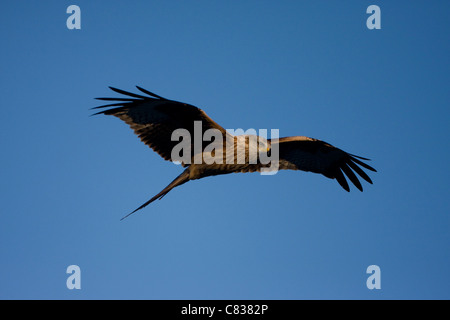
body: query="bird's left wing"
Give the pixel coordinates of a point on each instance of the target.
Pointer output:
(308, 154)
(154, 119)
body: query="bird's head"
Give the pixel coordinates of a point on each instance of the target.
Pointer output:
(262, 145)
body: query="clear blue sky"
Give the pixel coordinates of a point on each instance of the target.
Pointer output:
(304, 67)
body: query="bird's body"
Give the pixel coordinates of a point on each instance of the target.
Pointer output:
(183, 133)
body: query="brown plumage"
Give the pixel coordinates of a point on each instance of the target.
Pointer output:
(154, 119)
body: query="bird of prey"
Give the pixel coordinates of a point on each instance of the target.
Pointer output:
(155, 119)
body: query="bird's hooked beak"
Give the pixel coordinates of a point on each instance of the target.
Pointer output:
(269, 151)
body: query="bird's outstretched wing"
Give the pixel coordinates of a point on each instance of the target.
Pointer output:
(154, 118)
(308, 154)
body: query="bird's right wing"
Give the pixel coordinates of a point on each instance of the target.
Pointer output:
(308, 154)
(154, 119)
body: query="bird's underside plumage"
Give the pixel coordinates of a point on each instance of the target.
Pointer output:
(154, 119)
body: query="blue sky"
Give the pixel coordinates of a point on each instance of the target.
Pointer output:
(304, 67)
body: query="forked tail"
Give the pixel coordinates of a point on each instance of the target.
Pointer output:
(182, 178)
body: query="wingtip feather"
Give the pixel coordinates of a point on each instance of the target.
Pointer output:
(353, 178)
(150, 93)
(340, 178)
